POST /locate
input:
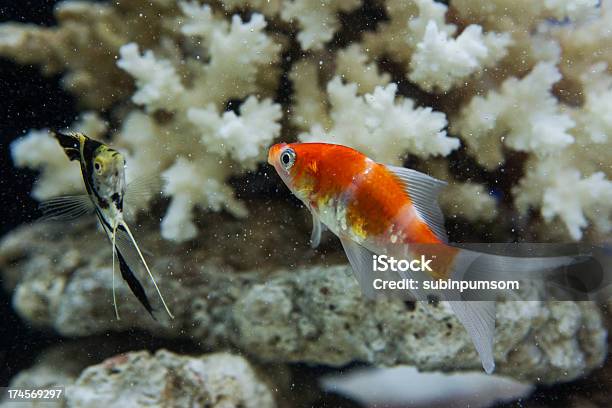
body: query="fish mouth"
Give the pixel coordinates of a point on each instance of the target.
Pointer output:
(274, 151)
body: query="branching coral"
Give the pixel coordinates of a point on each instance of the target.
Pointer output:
(310, 102)
(562, 191)
(353, 65)
(157, 81)
(196, 148)
(441, 63)
(398, 125)
(523, 115)
(193, 90)
(419, 36)
(318, 19)
(523, 13)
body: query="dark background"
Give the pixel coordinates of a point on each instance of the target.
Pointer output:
(27, 100)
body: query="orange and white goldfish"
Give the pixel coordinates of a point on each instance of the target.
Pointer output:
(378, 209)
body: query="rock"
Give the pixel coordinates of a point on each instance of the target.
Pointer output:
(60, 366)
(142, 379)
(280, 301)
(165, 379)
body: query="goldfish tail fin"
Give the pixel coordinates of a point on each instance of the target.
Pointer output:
(144, 262)
(475, 265)
(477, 315)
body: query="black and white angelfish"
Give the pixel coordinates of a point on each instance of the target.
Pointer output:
(103, 170)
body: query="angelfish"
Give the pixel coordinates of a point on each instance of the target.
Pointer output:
(379, 209)
(103, 170)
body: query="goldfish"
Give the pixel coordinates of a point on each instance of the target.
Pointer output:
(377, 209)
(107, 193)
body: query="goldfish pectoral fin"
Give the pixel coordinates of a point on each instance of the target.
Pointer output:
(360, 259)
(478, 318)
(423, 191)
(66, 208)
(70, 143)
(317, 229)
(134, 284)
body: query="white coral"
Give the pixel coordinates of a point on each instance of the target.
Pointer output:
(193, 183)
(562, 191)
(429, 11)
(595, 116)
(309, 101)
(268, 7)
(156, 79)
(199, 20)
(238, 53)
(573, 9)
(381, 126)
(523, 114)
(318, 19)
(440, 62)
(243, 137)
(352, 64)
(469, 200)
(523, 13)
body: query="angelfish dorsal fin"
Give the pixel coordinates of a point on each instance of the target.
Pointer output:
(71, 144)
(423, 191)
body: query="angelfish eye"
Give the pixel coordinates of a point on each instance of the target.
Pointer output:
(287, 158)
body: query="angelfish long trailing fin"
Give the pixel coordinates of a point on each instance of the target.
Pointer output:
(134, 284)
(126, 271)
(115, 254)
(144, 262)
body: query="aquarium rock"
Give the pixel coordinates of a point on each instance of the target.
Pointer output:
(310, 312)
(143, 379)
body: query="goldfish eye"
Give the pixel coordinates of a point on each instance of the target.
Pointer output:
(287, 158)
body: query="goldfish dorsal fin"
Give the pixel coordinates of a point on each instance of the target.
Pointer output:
(423, 191)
